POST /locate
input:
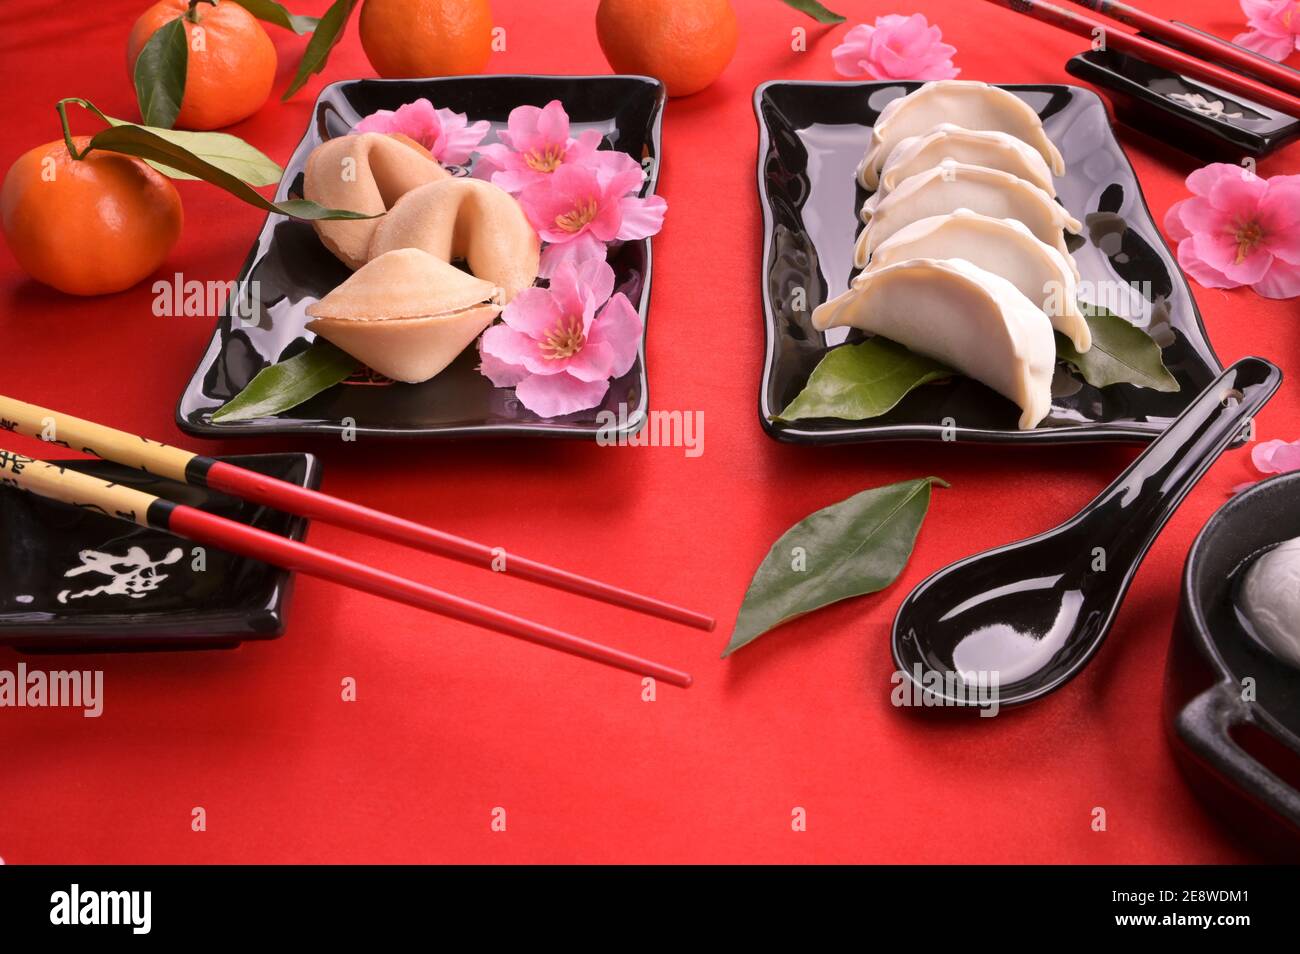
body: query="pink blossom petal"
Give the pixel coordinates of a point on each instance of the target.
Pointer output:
(514, 347)
(641, 218)
(553, 124)
(559, 394)
(595, 362)
(1274, 47)
(584, 248)
(1276, 457)
(1174, 221)
(1281, 281)
(1250, 269)
(619, 325)
(1194, 265)
(1238, 194)
(1202, 180)
(501, 373)
(1201, 215)
(459, 139)
(533, 312)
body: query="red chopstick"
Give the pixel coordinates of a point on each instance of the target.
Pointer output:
(1154, 53)
(175, 463)
(147, 510)
(1210, 47)
(282, 495)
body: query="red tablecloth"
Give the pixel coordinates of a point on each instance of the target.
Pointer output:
(451, 723)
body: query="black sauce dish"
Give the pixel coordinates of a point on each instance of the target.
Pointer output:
(292, 269)
(1232, 710)
(1196, 117)
(73, 580)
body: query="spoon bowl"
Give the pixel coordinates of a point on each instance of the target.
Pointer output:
(1025, 618)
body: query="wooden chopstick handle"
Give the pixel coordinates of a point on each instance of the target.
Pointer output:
(106, 443)
(81, 490)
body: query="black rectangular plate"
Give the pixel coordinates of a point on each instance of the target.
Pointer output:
(227, 600)
(293, 270)
(811, 138)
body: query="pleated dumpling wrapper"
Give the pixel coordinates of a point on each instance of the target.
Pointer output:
(952, 311)
(365, 172)
(975, 147)
(1001, 246)
(953, 185)
(465, 219)
(966, 103)
(406, 314)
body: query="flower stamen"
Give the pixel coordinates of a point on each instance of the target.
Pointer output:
(578, 217)
(545, 160)
(1249, 235)
(564, 340)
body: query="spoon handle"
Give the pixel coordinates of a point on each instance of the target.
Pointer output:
(1142, 499)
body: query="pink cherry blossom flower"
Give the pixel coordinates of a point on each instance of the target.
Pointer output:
(579, 208)
(446, 134)
(534, 144)
(558, 347)
(1274, 27)
(1239, 229)
(1276, 457)
(896, 48)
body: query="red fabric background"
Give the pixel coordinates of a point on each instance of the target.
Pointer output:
(451, 722)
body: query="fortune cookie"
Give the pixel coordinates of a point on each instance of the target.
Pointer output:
(366, 172)
(465, 219)
(406, 314)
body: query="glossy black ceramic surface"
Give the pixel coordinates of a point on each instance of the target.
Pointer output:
(811, 138)
(1034, 612)
(72, 580)
(1220, 680)
(293, 270)
(1200, 119)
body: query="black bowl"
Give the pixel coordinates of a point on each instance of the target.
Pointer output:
(1232, 710)
(72, 580)
(293, 269)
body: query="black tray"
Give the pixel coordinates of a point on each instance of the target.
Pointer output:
(811, 138)
(293, 270)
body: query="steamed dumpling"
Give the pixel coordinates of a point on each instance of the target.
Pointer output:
(970, 319)
(1001, 246)
(975, 147)
(953, 185)
(968, 104)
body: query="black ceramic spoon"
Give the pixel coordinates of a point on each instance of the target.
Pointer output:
(1031, 614)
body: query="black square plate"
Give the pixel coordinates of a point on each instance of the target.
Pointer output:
(73, 580)
(811, 138)
(293, 270)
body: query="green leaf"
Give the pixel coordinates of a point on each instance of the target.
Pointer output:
(160, 74)
(226, 152)
(856, 546)
(1121, 353)
(856, 382)
(815, 10)
(149, 145)
(323, 39)
(272, 12)
(287, 384)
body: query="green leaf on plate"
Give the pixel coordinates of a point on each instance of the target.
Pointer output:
(323, 39)
(272, 12)
(287, 384)
(815, 10)
(856, 546)
(1121, 353)
(149, 145)
(160, 74)
(861, 381)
